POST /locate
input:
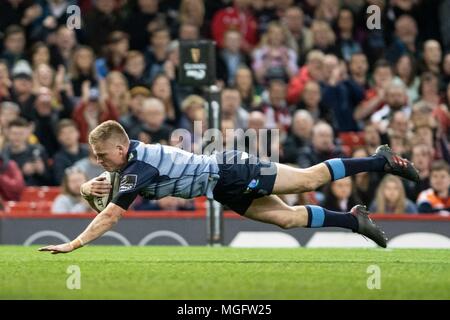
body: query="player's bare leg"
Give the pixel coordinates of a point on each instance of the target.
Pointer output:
(295, 180)
(292, 180)
(271, 209)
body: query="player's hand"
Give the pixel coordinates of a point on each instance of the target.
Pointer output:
(98, 187)
(61, 248)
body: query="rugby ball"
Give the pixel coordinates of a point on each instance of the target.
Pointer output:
(100, 203)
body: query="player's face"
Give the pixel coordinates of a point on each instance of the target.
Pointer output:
(110, 155)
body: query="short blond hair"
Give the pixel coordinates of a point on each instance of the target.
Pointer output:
(190, 100)
(108, 130)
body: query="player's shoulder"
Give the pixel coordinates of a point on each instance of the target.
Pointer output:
(139, 151)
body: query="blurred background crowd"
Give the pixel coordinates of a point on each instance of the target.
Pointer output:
(310, 68)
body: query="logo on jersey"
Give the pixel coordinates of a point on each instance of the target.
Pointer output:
(252, 186)
(128, 182)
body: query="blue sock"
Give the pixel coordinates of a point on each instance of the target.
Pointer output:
(319, 217)
(344, 167)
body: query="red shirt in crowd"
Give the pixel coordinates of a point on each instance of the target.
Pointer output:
(11, 181)
(233, 18)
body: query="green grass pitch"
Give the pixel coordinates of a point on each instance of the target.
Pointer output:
(224, 273)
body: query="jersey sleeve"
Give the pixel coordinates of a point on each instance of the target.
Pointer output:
(132, 180)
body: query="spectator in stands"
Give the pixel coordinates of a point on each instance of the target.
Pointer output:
(236, 17)
(312, 70)
(64, 45)
(358, 68)
(100, 21)
(82, 68)
(43, 76)
(192, 12)
(446, 70)
(339, 195)
(91, 111)
(294, 20)
(424, 134)
(5, 82)
(70, 199)
(429, 89)
(432, 57)
(54, 14)
(164, 89)
(372, 138)
(405, 69)
(391, 197)
(322, 147)
(156, 53)
(327, 10)
(405, 40)
(365, 184)
(232, 109)
(115, 53)
(9, 111)
(14, 41)
(152, 128)
(299, 136)
(374, 40)
(264, 13)
(422, 157)
(443, 113)
(71, 150)
(143, 17)
(231, 56)
(396, 100)
(40, 54)
(324, 38)
(22, 87)
(375, 96)
(188, 31)
(45, 119)
(266, 143)
(346, 42)
(245, 85)
(117, 94)
(11, 178)
(191, 108)
(134, 70)
(430, 96)
(310, 100)
(276, 108)
(341, 95)
(274, 59)
(89, 166)
(31, 159)
(436, 199)
(131, 120)
(13, 12)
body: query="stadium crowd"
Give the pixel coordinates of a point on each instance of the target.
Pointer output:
(310, 68)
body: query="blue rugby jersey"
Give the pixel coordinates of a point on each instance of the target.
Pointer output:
(155, 171)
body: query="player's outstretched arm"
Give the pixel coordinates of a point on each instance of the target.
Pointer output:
(103, 222)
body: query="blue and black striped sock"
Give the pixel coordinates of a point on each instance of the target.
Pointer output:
(344, 167)
(319, 217)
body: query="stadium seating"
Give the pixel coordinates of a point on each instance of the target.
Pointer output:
(351, 140)
(40, 193)
(22, 207)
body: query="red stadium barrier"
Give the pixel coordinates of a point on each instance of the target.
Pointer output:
(40, 193)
